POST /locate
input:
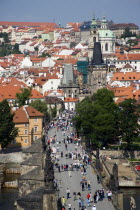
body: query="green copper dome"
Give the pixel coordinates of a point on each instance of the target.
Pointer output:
(106, 33)
(93, 23)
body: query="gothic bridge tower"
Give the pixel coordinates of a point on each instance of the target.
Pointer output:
(97, 70)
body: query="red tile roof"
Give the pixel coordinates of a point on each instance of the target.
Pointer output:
(33, 112)
(20, 116)
(69, 99)
(8, 23)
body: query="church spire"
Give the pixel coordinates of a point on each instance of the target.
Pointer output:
(104, 23)
(93, 23)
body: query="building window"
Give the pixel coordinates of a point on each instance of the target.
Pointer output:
(75, 91)
(26, 124)
(129, 77)
(35, 129)
(69, 91)
(35, 120)
(69, 95)
(116, 77)
(35, 138)
(25, 141)
(122, 77)
(51, 82)
(26, 131)
(94, 39)
(106, 47)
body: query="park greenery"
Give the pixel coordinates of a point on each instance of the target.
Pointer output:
(8, 132)
(102, 122)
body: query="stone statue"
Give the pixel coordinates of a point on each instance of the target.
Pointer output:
(114, 183)
(132, 203)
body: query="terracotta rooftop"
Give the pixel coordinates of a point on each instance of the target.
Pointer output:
(21, 116)
(33, 112)
(129, 76)
(69, 99)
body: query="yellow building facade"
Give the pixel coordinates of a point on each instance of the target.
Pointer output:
(29, 123)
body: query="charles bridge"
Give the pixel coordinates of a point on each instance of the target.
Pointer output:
(36, 183)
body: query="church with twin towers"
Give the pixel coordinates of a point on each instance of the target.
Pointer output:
(100, 41)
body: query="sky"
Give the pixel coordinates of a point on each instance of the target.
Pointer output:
(64, 11)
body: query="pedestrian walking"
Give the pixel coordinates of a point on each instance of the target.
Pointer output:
(109, 195)
(68, 193)
(89, 184)
(91, 197)
(88, 202)
(83, 186)
(98, 179)
(94, 197)
(63, 201)
(66, 146)
(59, 169)
(94, 207)
(69, 173)
(61, 154)
(74, 196)
(69, 206)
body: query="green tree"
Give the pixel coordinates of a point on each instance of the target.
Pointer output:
(5, 36)
(16, 49)
(128, 121)
(41, 106)
(23, 97)
(53, 112)
(128, 33)
(96, 118)
(8, 132)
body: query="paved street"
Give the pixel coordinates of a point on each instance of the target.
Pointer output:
(73, 182)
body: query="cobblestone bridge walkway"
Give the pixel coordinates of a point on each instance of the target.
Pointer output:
(72, 179)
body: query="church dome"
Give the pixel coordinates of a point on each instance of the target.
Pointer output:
(106, 33)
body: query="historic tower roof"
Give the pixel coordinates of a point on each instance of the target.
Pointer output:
(93, 23)
(68, 74)
(97, 55)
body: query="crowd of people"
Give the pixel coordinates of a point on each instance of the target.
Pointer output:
(79, 161)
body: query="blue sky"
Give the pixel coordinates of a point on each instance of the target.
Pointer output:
(63, 11)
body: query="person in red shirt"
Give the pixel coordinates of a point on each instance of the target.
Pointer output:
(88, 196)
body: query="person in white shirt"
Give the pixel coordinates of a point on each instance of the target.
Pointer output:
(69, 206)
(94, 207)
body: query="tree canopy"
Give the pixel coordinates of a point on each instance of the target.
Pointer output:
(102, 121)
(8, 132)
(128, 121)
(128, 33)
(23, 97)
(96, 117)
(42, 107)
